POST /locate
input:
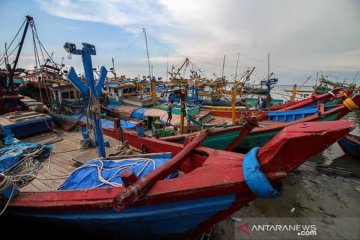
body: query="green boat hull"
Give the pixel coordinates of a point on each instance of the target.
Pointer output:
(254, 139)
(222, 141)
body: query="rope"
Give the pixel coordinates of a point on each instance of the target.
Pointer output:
(12, 42)
(108, 182)
(6, 182)
(5, 60)
(27, 168)
(33, 27)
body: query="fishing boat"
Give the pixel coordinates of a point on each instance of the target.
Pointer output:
(190, 189)
(309, 102)
(210, 186)
(127, 94)
(10, 100)
(293, 115)
(23, 124)
(350, 144)
(267, 129)
(16, 121)
(222, 137)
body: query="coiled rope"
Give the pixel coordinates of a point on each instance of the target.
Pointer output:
(4, 184)
(100, 168)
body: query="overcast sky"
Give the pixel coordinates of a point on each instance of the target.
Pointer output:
(303, 37)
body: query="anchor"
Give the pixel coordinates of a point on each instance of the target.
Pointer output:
(91, 90)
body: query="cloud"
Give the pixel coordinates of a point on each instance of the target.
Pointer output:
(302, 36)
(125, 13)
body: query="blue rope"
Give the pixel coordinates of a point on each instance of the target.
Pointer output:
(255, 177)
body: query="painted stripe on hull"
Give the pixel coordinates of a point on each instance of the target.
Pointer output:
(350, 148)
(221, 141)
(162, 220)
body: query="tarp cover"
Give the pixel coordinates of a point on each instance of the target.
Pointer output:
(138, 113)
(112, 106)
(110, 124)
(13, 154)
(88, 175)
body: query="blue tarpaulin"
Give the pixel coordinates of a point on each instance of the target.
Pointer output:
(112, 106)
(87, 175)
(138, 113)
(12, 155)
(110, 124)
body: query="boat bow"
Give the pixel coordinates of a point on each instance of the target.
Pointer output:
(296, 143)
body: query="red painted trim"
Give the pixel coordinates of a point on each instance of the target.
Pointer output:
(286, 106)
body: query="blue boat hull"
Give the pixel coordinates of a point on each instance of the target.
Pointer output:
(161, 221)
(29, 128)
(293, 115)
(351, 148)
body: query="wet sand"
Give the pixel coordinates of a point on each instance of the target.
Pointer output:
(326, 187)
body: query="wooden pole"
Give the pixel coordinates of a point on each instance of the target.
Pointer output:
(183, 111)
(251, 122)
(147, 51)
(167, 68)
(142, 186)
(222, 73)
(21, 44)
(268, 66)
(153, 92)
(233, 97)
(237, 64)
(293, 96)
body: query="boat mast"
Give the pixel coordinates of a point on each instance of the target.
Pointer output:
(268, 66)
(147, 51)
(28, 21)
(167, 68)
(237, 64)
(222, 73)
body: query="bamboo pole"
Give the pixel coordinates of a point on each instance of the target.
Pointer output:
(233, 97)
(183, 112)
(153, 92)
(142, 186)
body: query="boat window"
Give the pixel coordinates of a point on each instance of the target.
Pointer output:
(189, 93)
(64, 95)
(116, 91)
(71, 94)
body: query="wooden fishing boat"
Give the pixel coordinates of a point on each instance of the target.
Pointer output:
(309, 102)
(293, 115)
(265, 131)
(23, 124)
(222, 136)
(212, 185)
(350, 144)
(208, 186)
(254, 101)
(240, 114)
(66, 121)
(127, 94)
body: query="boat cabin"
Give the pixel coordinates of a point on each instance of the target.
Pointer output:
(64, 97)
(127, 94)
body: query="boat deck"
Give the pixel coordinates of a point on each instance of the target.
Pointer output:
(61, 161)
(19, 117)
